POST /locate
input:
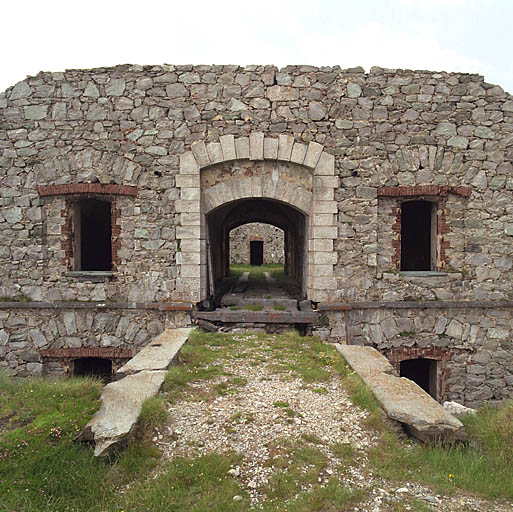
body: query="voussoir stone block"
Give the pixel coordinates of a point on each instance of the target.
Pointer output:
(228, 147)
(188, 164)
(285, 144)
(200, 153)
(270, 148)
(215, 152)
(313, 154)
(256, 146)
(298, 153)
(242, 148)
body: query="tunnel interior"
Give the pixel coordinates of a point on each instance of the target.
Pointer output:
(229, 216)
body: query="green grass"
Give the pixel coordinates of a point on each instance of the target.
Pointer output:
(253, 307)
(300, 466)
(42, 468)
(276, 270)
(153, 414)
(188, 484)
(483, 466)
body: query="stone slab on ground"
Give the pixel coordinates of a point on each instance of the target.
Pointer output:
(402, 399)
(121, 405)
(366, 361)
(139, 379)
(157, 355)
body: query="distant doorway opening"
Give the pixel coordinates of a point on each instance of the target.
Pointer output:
(421, 371)
(93, 367)
(256, 252)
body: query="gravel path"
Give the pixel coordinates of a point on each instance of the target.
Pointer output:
(268, 409)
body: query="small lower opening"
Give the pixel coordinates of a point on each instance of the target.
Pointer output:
(256, 252)
(93, 367)
(421, 371)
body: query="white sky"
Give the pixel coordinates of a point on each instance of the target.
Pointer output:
(440, 35)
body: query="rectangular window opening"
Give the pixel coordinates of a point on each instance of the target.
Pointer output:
(418, 233)
(92, 235)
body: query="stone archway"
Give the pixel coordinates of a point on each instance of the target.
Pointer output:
(305, 181)
(294, 223)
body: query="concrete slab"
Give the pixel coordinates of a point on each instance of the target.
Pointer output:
(121, 405)
(402, 399)
(139, 379)
(158, 355)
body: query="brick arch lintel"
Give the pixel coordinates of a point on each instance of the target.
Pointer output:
(191, 233)
(87, 188)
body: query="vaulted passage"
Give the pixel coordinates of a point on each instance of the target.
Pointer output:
(269, 211)
(422, 372)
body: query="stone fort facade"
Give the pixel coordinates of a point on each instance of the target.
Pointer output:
(120, 187)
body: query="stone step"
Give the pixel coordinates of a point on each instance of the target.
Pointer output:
(402, 399)
(232, 299)
(264, 317)
(122, 400)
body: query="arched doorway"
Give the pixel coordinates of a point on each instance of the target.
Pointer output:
(294, 222)
(300, 176)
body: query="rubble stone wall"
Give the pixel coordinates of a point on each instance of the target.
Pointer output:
(395, 135)
(28, 332)
(271, 236)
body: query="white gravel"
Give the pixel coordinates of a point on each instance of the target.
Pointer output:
(246, 421)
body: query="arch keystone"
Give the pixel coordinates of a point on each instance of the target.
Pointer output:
(228, 147)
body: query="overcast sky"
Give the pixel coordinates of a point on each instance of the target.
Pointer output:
(441, 35)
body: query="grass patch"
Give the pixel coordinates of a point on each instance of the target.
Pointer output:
(483, 466)
(199, 484)
(197, 361)
(41, 468)
(276, 270)
(279, 307)
(360, 394)
(153, 415)
(296, 487)
(253, 307)
(344, 451)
